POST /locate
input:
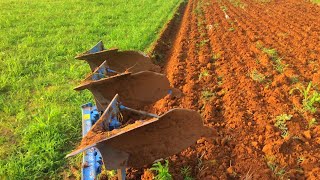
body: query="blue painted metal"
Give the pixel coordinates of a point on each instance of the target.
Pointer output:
(111, 71)
(101, 73)
(114, 123)
(111, 117)
(92, 160)
(98, 47)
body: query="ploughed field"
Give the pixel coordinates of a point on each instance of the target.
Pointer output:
(246, 66)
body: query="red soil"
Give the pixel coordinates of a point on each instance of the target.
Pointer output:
(241, 111)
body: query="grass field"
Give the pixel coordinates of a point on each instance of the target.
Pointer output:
(40, 117)
(316, 1)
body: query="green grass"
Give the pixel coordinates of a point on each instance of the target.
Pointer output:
(313, 122)
(257, 76)
(186, 173)
(216, 56)
(207, 95)
(204, 73)
(238, 3)
(270, 52)
(281, 124)
(316, 1)
(311, 97)
(279, 66)
(278, 172)
(162, 171)
(40, 113)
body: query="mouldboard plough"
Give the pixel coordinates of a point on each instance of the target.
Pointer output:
(116, 133)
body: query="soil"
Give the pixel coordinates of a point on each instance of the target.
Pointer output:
(211, 59)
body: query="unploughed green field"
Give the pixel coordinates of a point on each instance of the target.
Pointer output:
(40, 116)
(316, 1)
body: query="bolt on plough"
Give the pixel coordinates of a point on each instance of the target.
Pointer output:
(123, 83)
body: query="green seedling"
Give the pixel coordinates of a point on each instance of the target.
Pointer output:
(270, 52)
(220, 80)
(271, 162)
(279, 66)
(202, 35)
(310, 97)
(198, 9)
(313, 122)
(285, 134)
(207, 95)
(281, 124)
(200, 23)
(186, 173)
(259, 45)
(238, 3)
(273, 54)
(294, 79)
(204, 73)
(257, 76)
(231, 29)
(224, 8)
(276, 170)
(281, 172)
(216, 56)
(162, 171)
(203, 42)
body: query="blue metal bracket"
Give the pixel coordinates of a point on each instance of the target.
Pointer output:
(98, 47)
(102, 71)
(92, 160)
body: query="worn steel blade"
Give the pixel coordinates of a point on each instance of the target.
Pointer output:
(121, 61)
(135, 90)
(149, 140)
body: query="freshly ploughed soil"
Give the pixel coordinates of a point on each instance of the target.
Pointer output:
(221, 58)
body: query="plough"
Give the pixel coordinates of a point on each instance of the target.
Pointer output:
(116, 133)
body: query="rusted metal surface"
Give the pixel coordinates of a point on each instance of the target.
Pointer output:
(136, 90)
(144, 142)
(121, 61)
